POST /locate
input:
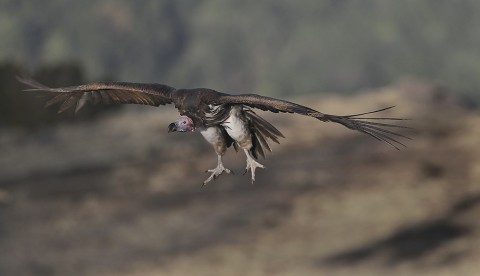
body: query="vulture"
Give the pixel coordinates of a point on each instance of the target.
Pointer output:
(224, 120)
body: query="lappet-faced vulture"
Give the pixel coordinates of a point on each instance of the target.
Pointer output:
(222, 119)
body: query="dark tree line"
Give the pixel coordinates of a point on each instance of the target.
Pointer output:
(26, 110)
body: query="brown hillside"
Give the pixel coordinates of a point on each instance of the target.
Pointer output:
(120, 196)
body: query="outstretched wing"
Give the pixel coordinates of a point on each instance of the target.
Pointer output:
(102, 93)
(266, 103)
(367, 125)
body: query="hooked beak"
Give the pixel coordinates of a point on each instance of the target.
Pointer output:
(183, 124)
(172, 127)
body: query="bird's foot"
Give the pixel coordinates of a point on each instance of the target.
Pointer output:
(252, 165)
(216, 172)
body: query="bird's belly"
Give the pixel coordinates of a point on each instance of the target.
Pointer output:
(237, 127)
(211, 134)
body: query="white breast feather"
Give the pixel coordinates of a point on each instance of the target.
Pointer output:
(235, 126)
(211, 134)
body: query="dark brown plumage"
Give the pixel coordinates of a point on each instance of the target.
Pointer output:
(217, 115)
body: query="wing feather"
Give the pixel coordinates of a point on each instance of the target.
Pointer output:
(102, 93)
(96, 98)
(265, 103)
(56, 99)
(71, 101)
(367, 125)
(105, 97)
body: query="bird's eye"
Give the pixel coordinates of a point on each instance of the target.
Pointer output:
(184, 122)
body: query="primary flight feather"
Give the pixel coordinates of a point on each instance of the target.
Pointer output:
(222, 119)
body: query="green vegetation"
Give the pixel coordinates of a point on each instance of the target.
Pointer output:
(274, 47)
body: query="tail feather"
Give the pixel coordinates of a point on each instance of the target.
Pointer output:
(264, 124)
(256, 149)
(261, 132)
(263, 142)
(265, 132)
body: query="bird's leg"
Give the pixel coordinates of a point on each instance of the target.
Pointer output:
(217, 171)
(251, 164)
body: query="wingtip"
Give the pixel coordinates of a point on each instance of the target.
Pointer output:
(22, 77)
(370, 112)
(27, 80)
(18, 78)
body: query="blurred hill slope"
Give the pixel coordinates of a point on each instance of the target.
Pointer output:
(118, 196)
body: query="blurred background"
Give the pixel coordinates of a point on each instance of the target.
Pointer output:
(109, 192)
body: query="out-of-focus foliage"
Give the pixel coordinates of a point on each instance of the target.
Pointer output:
(273, 47)
(276, 47)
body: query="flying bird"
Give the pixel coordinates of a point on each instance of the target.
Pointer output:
(224, 120)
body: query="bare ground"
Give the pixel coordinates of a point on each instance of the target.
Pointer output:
(121, 197)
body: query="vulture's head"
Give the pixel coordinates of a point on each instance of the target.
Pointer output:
(182, 124)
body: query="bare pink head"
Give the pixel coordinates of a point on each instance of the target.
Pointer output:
(182, 124)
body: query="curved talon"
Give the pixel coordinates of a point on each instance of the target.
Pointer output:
(252, 165)
(220, 169)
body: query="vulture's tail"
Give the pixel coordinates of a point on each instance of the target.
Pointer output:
(261, 131)
(371, 126)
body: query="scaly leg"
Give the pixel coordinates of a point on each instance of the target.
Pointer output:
(217, 171)
(251, 164)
